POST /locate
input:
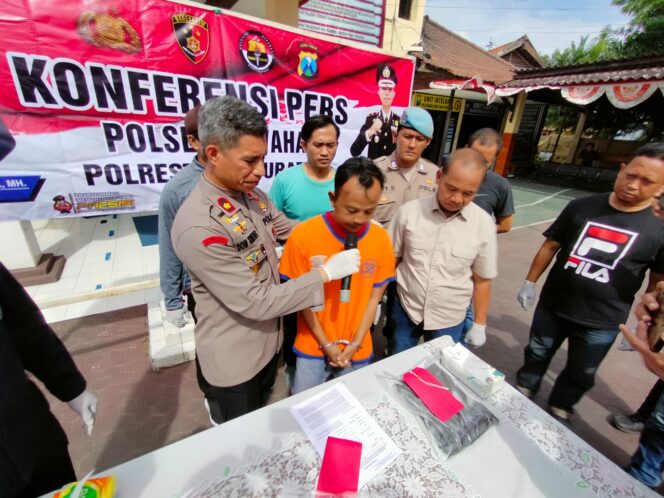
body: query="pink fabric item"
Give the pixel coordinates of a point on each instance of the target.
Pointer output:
(438, 399)
(340, 470)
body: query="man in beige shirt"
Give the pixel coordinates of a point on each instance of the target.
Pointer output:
(225, 233)
(407, 175)
(445, 247)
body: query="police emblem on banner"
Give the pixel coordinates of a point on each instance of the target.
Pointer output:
(256, 50)
(192, 35)
(308, 65)
(108, 30)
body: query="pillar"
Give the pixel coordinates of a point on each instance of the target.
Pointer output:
(510, 131)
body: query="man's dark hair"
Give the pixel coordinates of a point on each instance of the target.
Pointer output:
(361, 167)
(316, 122)
(653, 150)
(486, 137)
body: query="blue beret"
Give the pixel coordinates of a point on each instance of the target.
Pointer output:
(419, 120)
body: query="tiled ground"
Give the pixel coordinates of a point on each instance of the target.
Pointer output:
(103, 253)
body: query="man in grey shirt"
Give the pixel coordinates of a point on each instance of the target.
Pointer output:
(495, 194)
(173, 277)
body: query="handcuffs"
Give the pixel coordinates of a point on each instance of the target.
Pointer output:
(345, 342)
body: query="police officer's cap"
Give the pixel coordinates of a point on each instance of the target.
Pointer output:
(386, 75)
(417, 119)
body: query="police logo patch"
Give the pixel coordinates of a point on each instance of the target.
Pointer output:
(256, 50)
(192, 35)
(308, 64)
(368, 268)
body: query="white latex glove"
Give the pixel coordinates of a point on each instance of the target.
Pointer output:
(625, 345)
(177, 317)
(526, 296)
(377, 317)
(85, 404)
(476, 336)
(342, 264)
(279, 250)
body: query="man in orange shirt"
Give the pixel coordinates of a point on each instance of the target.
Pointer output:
(336, 340)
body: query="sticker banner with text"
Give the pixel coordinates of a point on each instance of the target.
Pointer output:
(93, 97)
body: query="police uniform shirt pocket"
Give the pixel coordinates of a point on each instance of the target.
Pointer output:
(387, 196)
(385, 209)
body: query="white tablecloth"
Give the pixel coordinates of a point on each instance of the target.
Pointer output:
(264, 453)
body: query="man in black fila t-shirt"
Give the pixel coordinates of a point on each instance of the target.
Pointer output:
(603, 245)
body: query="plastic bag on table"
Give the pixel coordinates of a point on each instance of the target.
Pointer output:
(458, 432)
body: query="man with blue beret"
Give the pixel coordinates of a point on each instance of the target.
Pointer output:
(407, 175)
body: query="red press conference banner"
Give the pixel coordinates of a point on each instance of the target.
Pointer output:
(92, 97)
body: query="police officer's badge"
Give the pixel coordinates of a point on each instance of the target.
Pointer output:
(192, 35)
(308, 65)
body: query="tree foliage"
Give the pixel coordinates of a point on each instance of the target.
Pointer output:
(644, 36)
(605, 47)
(645, 33)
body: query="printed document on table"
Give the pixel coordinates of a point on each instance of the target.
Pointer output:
(336, 412)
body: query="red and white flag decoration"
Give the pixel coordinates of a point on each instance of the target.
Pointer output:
(629, 95)
(622, 96)
(474, 83)
(582, 95)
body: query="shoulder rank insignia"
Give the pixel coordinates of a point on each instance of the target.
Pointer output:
(226, 205)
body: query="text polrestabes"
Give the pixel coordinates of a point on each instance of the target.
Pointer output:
(43, 82)
(130, 174)
(150, 173)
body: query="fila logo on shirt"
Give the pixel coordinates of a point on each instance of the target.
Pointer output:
(598, 249)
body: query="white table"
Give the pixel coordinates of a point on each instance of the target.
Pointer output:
(264, 453)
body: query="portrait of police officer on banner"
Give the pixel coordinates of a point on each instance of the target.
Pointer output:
(378, 126)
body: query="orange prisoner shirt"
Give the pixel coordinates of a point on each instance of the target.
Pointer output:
(322, 236)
